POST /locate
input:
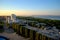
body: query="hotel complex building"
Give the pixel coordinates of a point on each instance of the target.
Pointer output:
(48, 33)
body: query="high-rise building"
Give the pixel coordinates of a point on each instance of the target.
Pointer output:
(13, 18)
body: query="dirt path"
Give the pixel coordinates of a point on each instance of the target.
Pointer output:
(9, 33)
(12, 36)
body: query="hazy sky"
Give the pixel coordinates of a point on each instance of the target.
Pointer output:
(30, 7)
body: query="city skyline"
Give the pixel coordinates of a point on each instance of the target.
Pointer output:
(29, 7)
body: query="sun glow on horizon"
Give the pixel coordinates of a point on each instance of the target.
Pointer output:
(27, 12)
(18, 12)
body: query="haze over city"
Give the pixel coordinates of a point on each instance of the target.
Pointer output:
(29, 7)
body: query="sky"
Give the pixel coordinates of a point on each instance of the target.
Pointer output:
(30, 7)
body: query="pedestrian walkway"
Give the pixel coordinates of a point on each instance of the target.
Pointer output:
(9, 33)
(12, 36)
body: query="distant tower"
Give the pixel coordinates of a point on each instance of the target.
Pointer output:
(8, 19)
(13, 17)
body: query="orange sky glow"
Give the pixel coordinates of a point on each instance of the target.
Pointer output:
(26, 12)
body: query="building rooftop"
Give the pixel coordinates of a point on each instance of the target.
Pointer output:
(49, 33)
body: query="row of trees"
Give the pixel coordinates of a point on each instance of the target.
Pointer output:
(49, 22)
(20, 30)
(29, 33)
(1, 26)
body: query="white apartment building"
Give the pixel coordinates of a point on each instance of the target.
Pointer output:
(12, 19)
